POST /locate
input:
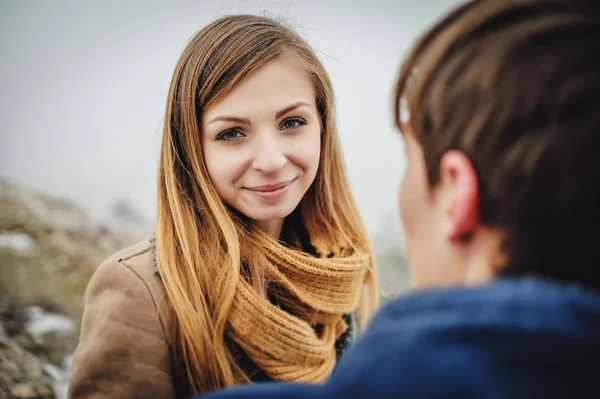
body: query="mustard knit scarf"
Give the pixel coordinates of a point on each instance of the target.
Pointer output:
(294, 339)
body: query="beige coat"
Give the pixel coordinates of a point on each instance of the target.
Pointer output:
(123, 351)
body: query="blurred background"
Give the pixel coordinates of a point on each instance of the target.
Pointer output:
(83, 87)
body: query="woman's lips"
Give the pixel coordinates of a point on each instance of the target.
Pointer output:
(270, 191)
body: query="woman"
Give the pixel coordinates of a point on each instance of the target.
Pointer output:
(261, 263)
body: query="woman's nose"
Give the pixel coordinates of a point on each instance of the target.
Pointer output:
(269, 157)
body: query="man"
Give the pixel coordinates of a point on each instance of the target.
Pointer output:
(499, 105)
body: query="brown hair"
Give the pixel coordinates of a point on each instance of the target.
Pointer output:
(198, 244)
(515, 85)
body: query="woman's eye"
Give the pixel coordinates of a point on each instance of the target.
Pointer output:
(292, 123)
(230, 135)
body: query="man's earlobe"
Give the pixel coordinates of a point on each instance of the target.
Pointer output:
(460, 187)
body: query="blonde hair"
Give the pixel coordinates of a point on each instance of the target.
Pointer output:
(198, 244)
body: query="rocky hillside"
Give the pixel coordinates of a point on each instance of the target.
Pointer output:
(49, 247)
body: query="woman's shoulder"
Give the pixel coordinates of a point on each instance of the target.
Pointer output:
(131, 272)
(137, 261)
(137, 257)
(124, 331)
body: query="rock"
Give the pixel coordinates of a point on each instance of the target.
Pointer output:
(22, 374)
(49, 248)
(29, 219)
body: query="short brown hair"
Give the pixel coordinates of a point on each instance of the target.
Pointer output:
(515, 85)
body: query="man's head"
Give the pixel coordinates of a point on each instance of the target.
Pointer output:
(500, 106)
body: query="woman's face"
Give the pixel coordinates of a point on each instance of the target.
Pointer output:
(262, 142)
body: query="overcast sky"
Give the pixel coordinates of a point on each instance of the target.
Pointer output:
(83, 87)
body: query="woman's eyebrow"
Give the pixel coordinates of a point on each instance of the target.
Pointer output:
(289, 108)
(224, 118)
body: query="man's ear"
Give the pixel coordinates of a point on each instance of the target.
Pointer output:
(459, 187)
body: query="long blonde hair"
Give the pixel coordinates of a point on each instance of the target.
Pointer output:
(198, 245)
